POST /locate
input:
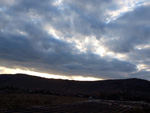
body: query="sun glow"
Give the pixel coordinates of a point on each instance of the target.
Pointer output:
(4, 70)
(81, 78)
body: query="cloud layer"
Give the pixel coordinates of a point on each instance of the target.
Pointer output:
(93, 38)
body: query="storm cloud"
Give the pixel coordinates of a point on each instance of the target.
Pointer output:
(91, 38)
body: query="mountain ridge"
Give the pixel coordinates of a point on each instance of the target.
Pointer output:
(131, 88)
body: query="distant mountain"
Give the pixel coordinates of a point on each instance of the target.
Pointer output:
(130, 89)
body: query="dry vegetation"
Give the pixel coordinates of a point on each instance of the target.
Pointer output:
(31, 100)
(39, 103)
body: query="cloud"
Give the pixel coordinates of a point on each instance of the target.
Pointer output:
(141, 74)
(130, 30)
(63, 37)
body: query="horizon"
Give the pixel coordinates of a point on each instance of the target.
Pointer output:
(77, 40)
(69, 79)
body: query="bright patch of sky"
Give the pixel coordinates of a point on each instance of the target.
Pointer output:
(145, 46)
(142, 67)
(126, 6)
(85, 43)
(58, 3)
(51, 31)
(4, 70)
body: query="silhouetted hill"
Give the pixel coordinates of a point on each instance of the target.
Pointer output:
(131, 89)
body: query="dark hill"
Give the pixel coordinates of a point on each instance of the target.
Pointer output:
(111, 89)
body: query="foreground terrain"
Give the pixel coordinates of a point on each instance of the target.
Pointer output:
(36, 103)
(22, 93)
(122, 89)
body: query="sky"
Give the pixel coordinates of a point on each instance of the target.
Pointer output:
(76, 39)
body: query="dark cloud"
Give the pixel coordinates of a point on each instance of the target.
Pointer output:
(143, 74)
(141, 55)
(25, 40)
(130, 30)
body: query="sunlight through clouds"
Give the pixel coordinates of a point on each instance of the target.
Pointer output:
(68, 38)
(125, 6)
(4, 70)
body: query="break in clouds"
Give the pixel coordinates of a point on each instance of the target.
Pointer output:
(93, 38)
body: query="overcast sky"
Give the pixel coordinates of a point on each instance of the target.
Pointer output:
(106, 39)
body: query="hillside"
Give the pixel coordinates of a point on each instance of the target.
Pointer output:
(132, 89)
